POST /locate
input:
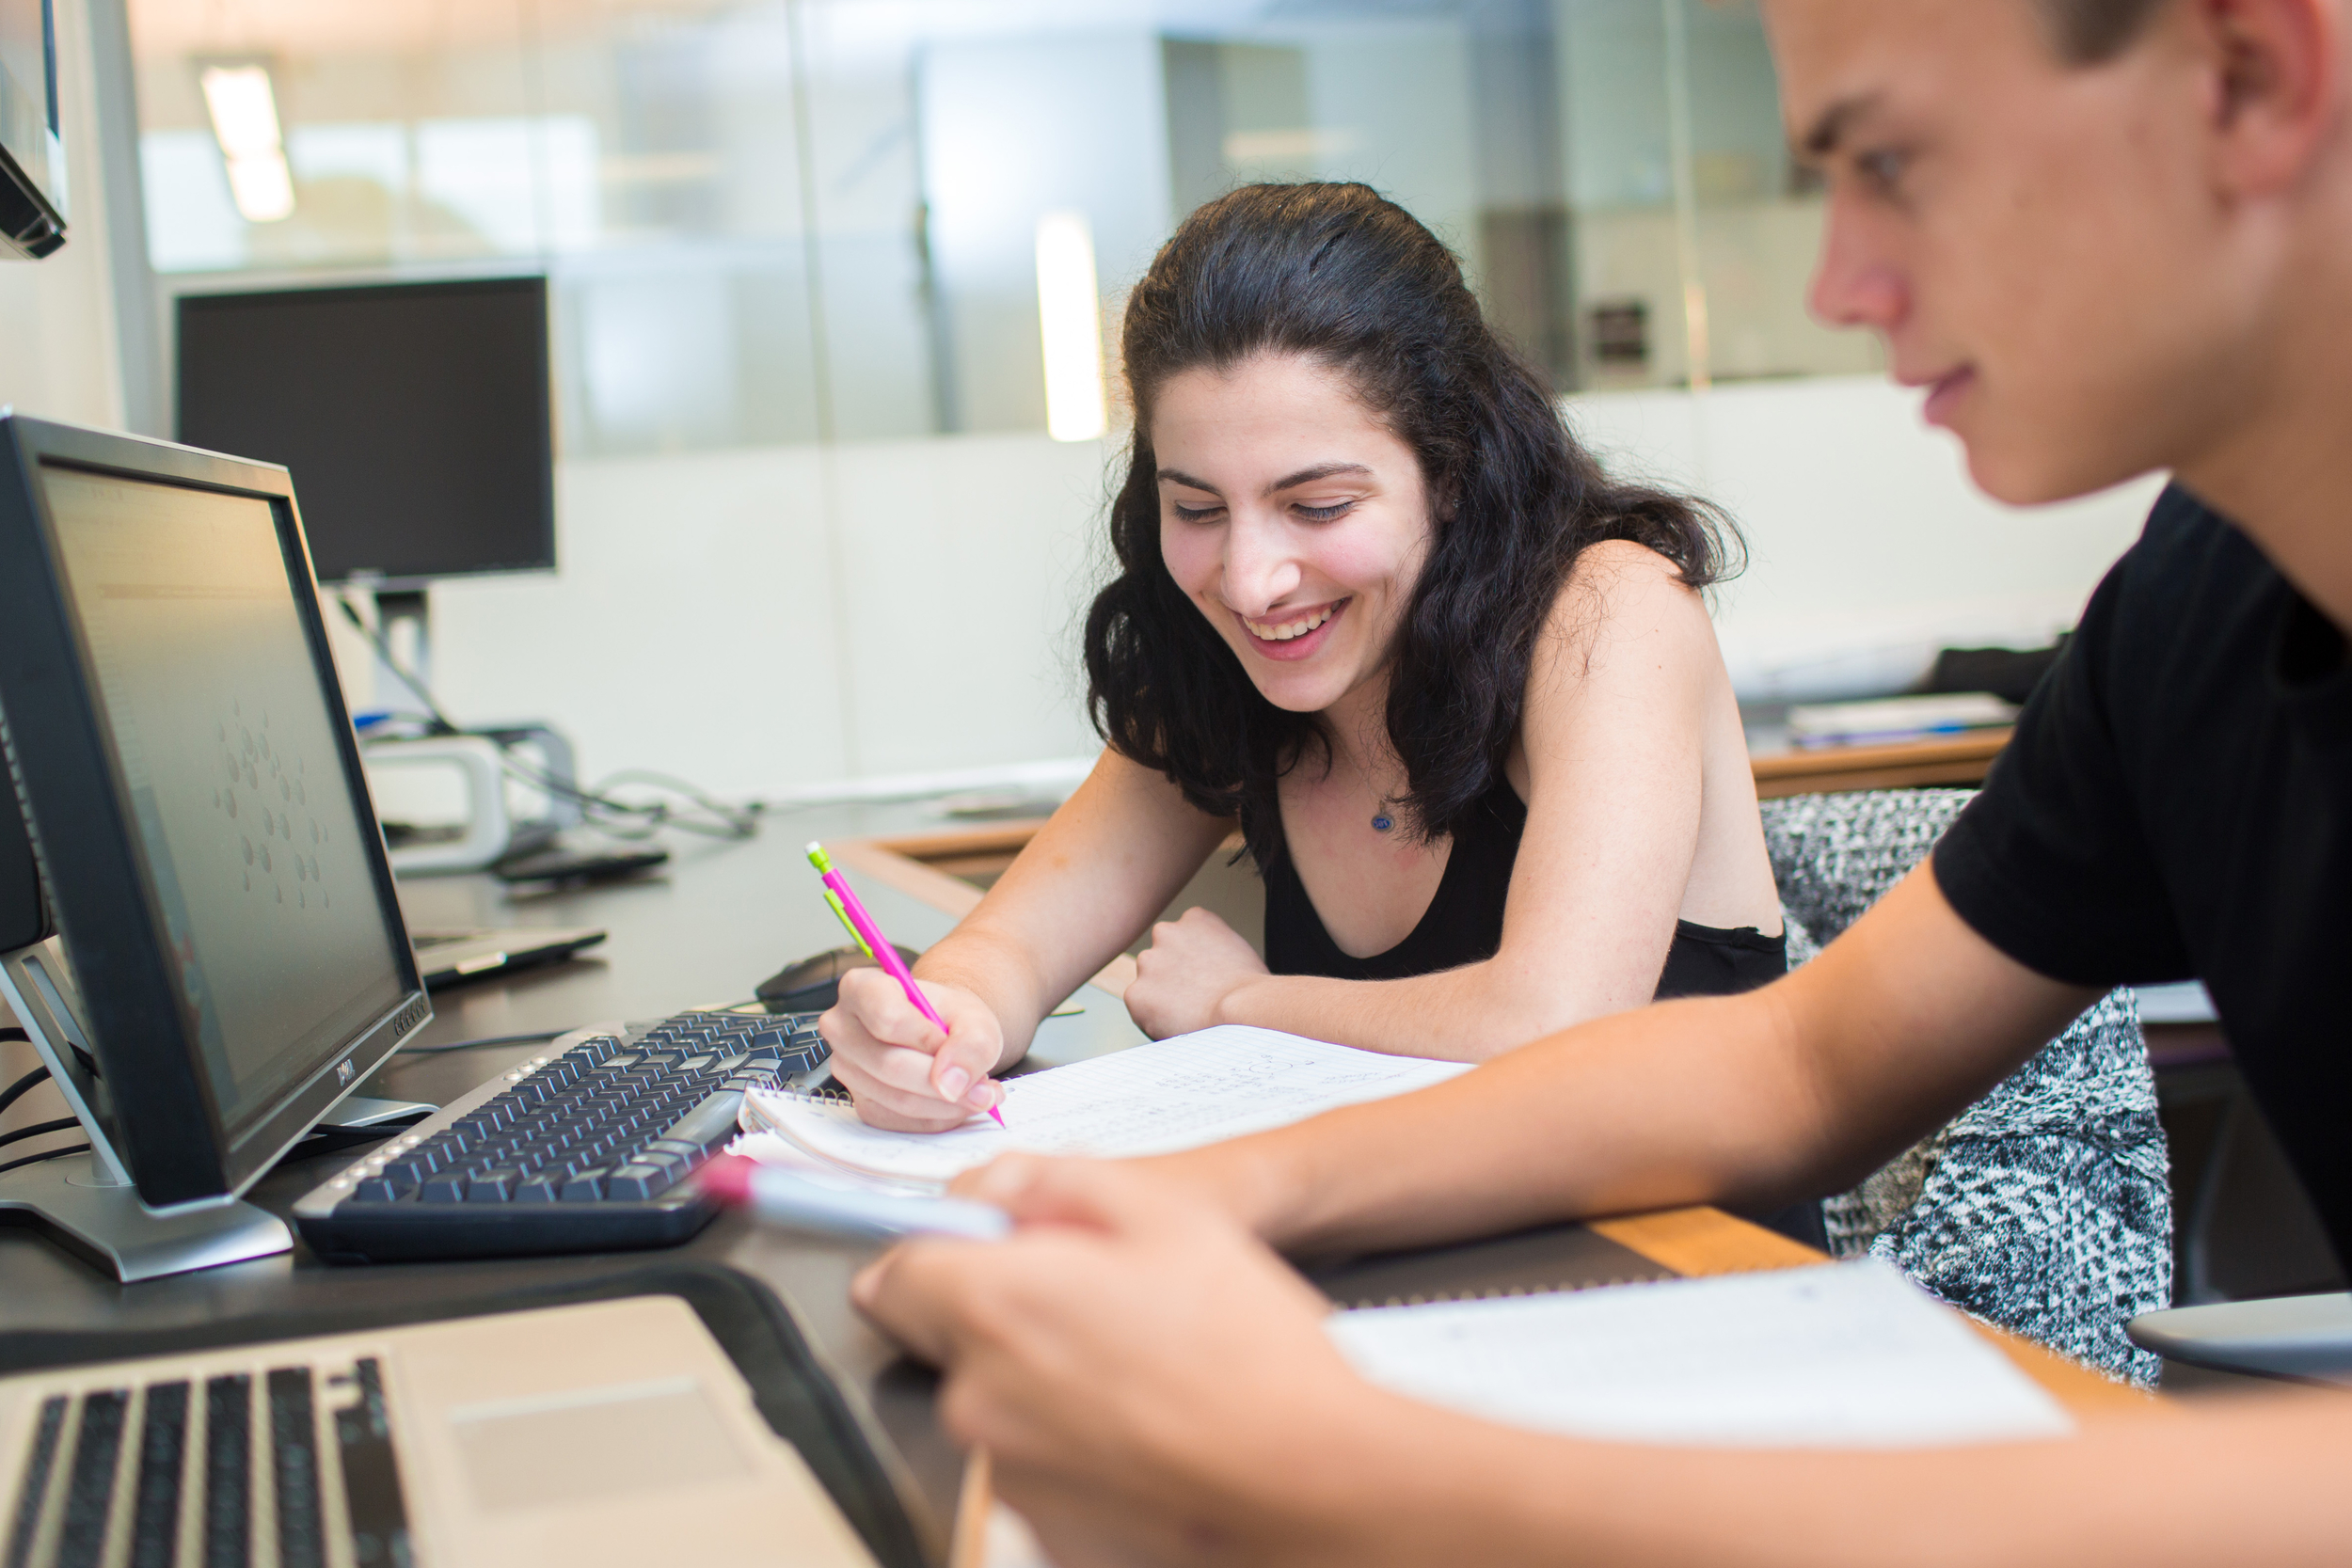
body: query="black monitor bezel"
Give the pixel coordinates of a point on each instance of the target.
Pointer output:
(165, 1122)
(532, 284)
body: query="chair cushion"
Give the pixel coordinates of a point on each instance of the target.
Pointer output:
(2045, 1208)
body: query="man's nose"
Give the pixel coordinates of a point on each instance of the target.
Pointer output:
(1855, 282)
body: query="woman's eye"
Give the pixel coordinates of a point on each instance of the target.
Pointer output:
(1193, 514)
(1324, 514)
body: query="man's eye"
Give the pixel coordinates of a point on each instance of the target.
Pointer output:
(1883, 169)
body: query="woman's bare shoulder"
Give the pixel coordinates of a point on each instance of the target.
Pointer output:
(1620, 591)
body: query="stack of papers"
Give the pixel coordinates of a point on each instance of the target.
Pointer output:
(1894, 719)
(1177, 1093)
(1843, 1355)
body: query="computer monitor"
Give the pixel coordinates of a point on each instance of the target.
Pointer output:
(415, 417)
(230, 953)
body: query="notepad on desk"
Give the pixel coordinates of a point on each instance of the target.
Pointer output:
(1841, 1355)
(1177, 1093)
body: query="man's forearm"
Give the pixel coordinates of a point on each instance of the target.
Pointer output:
(1586, 1122)
(2259, 1482)
(1800, 1088)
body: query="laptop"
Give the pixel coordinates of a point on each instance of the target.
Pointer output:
(607, 1435)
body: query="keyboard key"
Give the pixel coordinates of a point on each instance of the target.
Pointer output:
(228, 1535)
(376, 1189)
(585, 1186)
(34, 1487)
(711, 1122)
(493, 1186)
(89, 1486)
(162, 1454)
(449, 1186)
(372, 1496)
(545, 1188)
(636, 1182)
(294, 1467)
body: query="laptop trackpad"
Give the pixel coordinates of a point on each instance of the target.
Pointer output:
(598, 1443)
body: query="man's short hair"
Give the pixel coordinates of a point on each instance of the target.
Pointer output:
(2089, 32)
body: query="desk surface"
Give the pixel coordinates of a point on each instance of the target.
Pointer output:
(720, 918)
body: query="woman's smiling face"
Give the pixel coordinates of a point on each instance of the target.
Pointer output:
(1293, 518)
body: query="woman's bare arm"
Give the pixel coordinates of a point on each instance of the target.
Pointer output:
(1093, 877)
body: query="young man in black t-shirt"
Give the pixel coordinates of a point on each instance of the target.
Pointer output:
(2109, 236)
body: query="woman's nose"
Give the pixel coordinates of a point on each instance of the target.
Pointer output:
(1260, 568)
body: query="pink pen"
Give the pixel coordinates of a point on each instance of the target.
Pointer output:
(870, 936)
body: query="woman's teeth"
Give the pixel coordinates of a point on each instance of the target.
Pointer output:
(1284, 631)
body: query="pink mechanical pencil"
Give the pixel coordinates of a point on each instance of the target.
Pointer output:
(870, 938)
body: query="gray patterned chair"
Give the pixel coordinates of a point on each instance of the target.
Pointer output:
(2044, 1207)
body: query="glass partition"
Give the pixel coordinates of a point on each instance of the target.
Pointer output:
(787, 221)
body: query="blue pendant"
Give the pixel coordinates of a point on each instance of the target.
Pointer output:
(1382, 823)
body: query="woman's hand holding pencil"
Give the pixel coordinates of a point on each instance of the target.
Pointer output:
(916, 1057)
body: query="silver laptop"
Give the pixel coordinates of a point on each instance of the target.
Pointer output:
(612, 1433)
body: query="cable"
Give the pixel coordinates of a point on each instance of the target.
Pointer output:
(21, 1087)
(48, 1154)
(39, 1129)
(13, 1033)
(478, 1045)
(735, 822)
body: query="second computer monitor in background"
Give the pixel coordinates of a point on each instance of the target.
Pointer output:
(414, 416)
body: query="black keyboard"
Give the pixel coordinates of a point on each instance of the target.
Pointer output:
(190, 1451)
(584, 1150)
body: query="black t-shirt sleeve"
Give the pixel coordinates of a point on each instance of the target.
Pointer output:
(2049, 863)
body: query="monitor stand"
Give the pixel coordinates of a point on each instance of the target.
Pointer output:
(87, 1201)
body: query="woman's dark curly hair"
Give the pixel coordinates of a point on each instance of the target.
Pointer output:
(1339, 274)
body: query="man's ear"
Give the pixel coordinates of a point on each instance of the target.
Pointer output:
(2278, 83)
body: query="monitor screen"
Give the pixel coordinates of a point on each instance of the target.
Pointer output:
(414, 418)
(283, 943)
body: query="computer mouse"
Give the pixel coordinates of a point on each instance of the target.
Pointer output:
(813, 984)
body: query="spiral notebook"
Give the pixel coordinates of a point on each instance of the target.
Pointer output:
(1839, 1356)
(1177, 1093)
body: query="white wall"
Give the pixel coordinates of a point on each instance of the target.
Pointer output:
(56, 316)
(1869, 548)
(766, 623)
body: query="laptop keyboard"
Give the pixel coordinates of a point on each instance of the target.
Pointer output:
(579, 1151)
(225, 1471)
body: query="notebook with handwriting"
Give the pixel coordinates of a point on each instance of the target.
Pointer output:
(1171, 1094)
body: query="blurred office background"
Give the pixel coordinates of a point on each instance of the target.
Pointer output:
(836, 288)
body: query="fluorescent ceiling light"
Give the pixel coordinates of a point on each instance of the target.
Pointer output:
(244, 123)
(1070, 322)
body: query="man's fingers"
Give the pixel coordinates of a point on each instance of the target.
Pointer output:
(897, 1291)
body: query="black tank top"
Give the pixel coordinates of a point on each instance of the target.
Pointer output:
(1463, 924)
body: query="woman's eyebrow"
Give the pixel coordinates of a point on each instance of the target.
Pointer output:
(1308, 476)
(1288, 482)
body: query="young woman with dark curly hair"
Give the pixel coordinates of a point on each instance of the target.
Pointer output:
(1457, 684)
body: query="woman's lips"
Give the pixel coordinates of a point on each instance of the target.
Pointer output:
(1302, 646)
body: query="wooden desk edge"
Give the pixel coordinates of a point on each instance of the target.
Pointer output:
(1700, 1242)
